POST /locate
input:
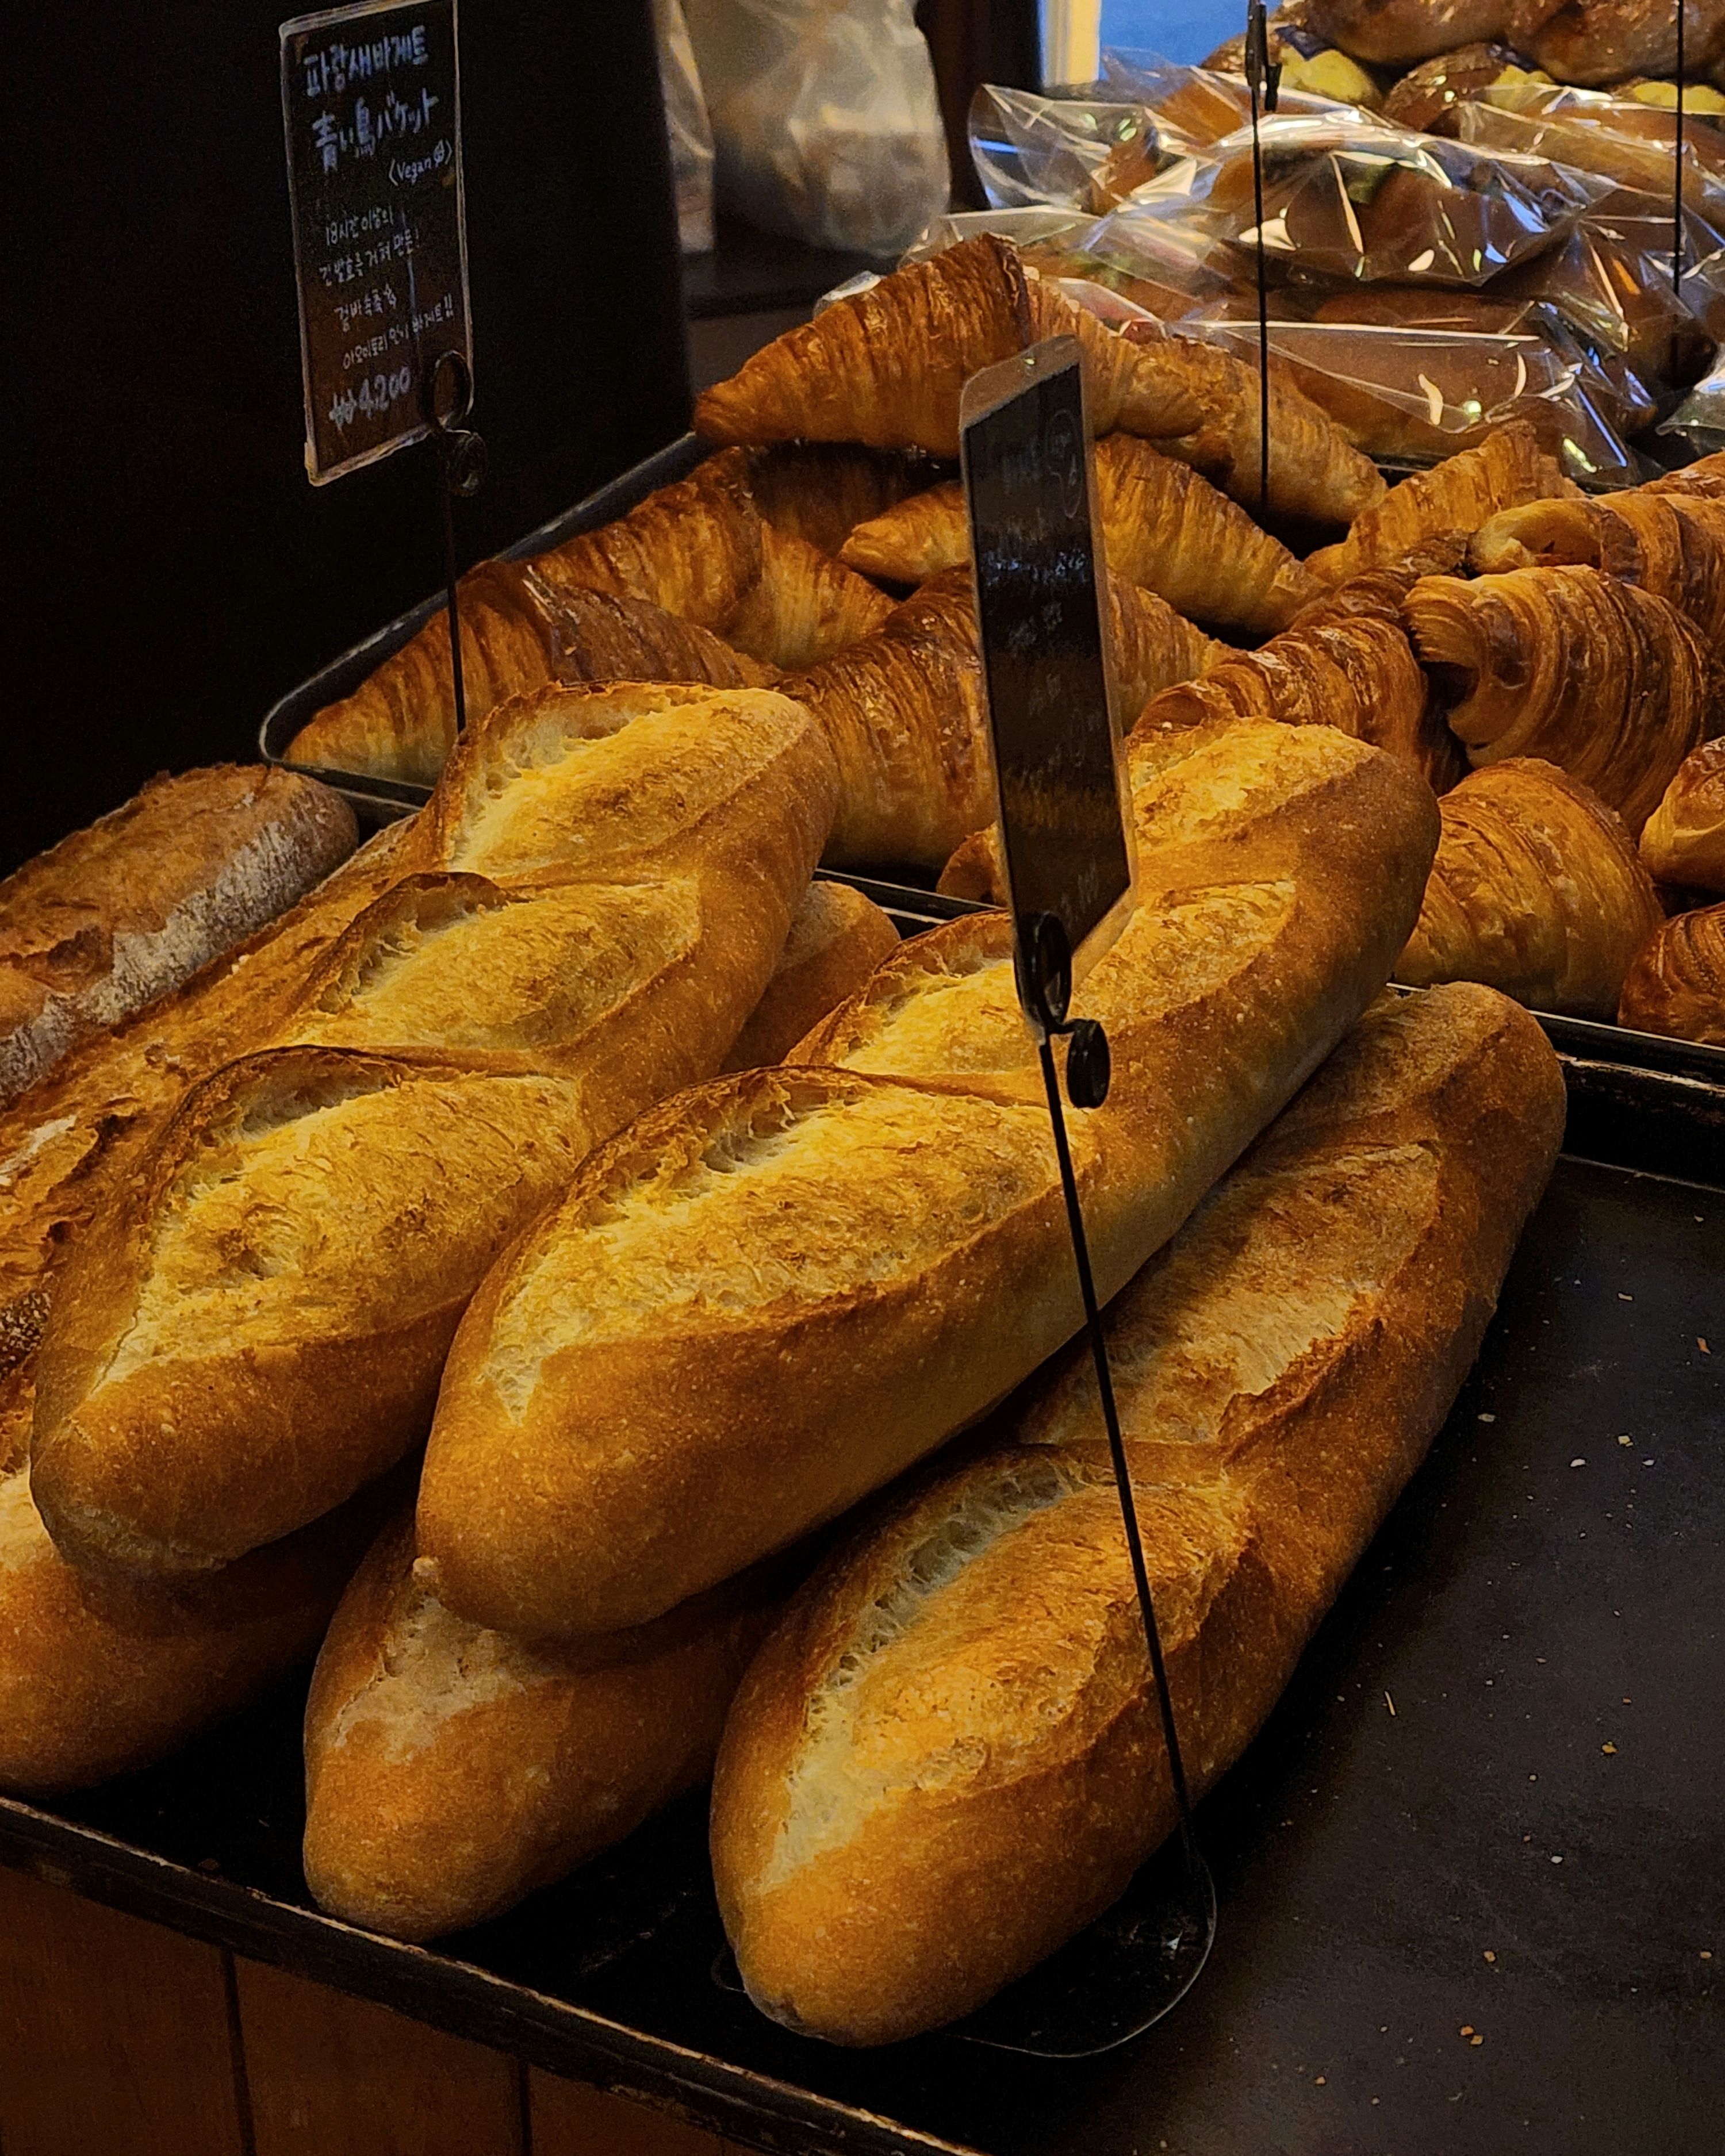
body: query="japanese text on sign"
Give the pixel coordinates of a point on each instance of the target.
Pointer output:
(370, 106)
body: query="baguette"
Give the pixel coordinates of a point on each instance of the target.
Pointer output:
(256, 1326)
(450, 1770)
(100, 1677)
(879, 1249)
(946, 1759)
(116, 915)
(836, 941)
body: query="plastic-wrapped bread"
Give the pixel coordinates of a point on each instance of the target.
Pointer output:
(946, 1759)
(1536, 890)
(1456, 496)
(118, 915)
(450, 1770)
(1683, 840)
(887, 367)
(1671, 545)
(1396, 33)
(872, 1238)
(1163, 527)
(98, 1677)
(905, 712)
(1599, 677)
(256, 1325)
(837, 939)
(1676, 985)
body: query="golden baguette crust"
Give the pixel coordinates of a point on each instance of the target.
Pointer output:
(119, 914)
(259, 1324)
(945, 1760)
(1683, 840)
(880, 1250)
(99, 1677)
(1536, 890)
(450, 1770)
(836, 941)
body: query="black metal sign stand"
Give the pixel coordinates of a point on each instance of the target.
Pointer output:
(1263, 80)
(446, 399)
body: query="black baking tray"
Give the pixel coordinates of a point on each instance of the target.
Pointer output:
(1490, 1801)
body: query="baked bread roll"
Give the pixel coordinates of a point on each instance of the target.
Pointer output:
(1422, 98)
(1352, 669)
(1683, 840)
(887, 366)
(837, 939)
(1397, 33)
(116, 915)
(946, 1759)
(904, 711)
(873, 1236)
(1671, 545)
(1603, 679)
(100, 1677)
(517, 634)
(256, 1326)
(1536, 890)
(1164, 528)
(1456, 496)
(450, 1770)
(1705, 476)
(1594, 42)
(1676, 985)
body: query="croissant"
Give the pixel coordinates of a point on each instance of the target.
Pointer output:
(904, 711)
(1456, 496)
(1599, 677)
(693, 548)
(516, 634)
(804, 606)
(1536, 890)
(1705, 476)
(1676, 985)
(887, 367)
(1356, 672)
(1315, 474)
(1670, 544)
(1163, 527)
(821, 491)
(1683, 840)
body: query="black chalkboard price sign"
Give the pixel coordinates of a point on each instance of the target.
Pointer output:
(371, 103)
(1057, 762)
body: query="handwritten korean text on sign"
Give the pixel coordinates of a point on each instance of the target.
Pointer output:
(371, 105)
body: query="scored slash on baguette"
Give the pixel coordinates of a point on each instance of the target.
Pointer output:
(946, 1759)
(879, 1252)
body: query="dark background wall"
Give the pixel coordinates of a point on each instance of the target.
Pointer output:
(168, 570)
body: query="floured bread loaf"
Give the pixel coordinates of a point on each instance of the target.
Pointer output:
(257, 1326)
(946, 1759)
(116, 915)
(450, 1770)
(879, 1251)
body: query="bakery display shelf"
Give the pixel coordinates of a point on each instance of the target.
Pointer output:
(910, 904)
(1486, 1807)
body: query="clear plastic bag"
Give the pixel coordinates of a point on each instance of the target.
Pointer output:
(1351, 199)
(688, 127)
(1030, 150)
(825, 121)
(1617, 137)
(1406, 395)
(1700, 419)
